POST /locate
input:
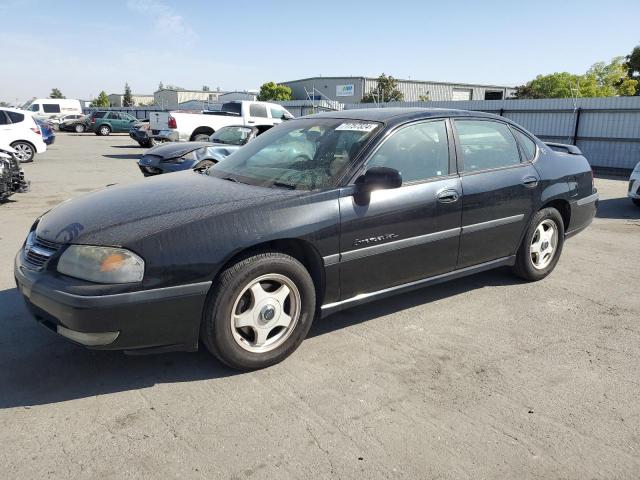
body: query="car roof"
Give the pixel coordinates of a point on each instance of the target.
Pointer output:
(400, 114)
(16, 110)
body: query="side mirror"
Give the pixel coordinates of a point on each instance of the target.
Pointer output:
(286, 116)
(379, 178)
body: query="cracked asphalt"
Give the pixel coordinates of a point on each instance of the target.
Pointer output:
(485, 377)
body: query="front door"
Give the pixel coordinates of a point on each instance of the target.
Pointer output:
(405, 234)
(498, 191)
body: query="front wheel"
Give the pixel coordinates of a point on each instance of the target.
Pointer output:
(542, 245)
(24, 151)
(104, 130)
(258, 311)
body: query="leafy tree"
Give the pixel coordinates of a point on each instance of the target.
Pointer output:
(272, 91)
(55, 93)
(102, 100)
(386, 90)
(127, 99)
(633, 66)
(601, 80)
(160, 86)
(4, 104)
(205, 88)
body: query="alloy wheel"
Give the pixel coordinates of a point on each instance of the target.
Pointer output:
(24, 152)
(543, 244)
(265, 313)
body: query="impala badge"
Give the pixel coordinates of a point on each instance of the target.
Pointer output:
(359, 242)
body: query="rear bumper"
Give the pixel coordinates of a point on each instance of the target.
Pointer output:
(582, 213)
(158, 318)
(166, 135)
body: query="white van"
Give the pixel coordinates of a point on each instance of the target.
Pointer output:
(54, 107)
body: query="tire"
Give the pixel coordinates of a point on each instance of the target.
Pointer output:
(532, 265)
(25, 151)
(201, 137)
(103, 130)
(79, 128)
(636, 201)
(232, 299)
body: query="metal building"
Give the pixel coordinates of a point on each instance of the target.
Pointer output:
(170, 98)
(353, 89)
(116, 99)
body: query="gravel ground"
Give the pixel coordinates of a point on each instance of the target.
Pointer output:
(485, 377)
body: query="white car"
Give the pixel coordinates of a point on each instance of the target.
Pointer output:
(19, 129)
(634, 185)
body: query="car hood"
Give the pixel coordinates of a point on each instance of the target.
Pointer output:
(176, 149)
(119, 215)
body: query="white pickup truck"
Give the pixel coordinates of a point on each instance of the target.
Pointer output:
(179, 126)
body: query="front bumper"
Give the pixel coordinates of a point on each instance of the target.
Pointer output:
(166, 318)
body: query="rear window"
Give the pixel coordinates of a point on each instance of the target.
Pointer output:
(231, 107)
(15, 117)
(3, 118)
(51, 108)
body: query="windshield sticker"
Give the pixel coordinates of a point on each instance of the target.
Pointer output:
(357, 126)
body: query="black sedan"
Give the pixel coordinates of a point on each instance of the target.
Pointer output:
(245, 255)
(177, 156)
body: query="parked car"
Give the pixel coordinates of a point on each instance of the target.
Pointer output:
(12, 178)
(634, 185)
(78, 125)
(19, 129)
(245, 254)
(141, 133)
(106, 122)
(44, 108)
(174, 157)
(183, 127)
(62, 119)
(46, 129)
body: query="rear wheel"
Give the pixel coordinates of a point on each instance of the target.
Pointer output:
(542, 245)
(104, 130)
(24, 151)
(79, 128)
(259, 310)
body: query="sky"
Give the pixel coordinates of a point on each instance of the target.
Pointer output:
(84, 47)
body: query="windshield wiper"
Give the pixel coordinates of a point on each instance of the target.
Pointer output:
(290, 186)
(230, 179)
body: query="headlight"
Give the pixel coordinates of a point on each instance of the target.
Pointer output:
(101, 264)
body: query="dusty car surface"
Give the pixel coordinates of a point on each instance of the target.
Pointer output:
(318, 214)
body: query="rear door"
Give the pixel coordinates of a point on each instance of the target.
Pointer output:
(258, 114)
(405, 234)
(498, 190)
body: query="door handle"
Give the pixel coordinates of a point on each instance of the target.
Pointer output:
(448, 196)
(530, 182)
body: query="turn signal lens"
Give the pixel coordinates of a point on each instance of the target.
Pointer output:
(101, 264)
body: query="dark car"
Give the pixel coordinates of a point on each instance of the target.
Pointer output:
(244, 255)
(176, 156)
(78, 124)
(48, 134)
(12, 178)
(107, 122)
(141, 133)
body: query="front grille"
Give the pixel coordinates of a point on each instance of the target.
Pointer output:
(39, 253)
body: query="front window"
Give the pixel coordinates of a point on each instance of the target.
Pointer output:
(304, 154)
(231, 135)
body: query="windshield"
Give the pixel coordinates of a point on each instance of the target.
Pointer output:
(305, 154)
(231, 135)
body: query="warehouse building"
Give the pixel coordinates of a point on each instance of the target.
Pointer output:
(352, 90)
(170, 98)
(116, 99)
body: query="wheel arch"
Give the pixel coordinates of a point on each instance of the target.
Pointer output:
(563, 207)
(301, 250)
(201, 130)
(24, 141)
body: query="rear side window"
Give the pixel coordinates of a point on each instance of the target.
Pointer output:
(418, 152)
(528, 145)
(486, 145)
(257, 110)
(3, 118)
(15, 117)
(51, 108)
(113, 116)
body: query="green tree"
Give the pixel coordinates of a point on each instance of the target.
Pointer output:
(633, 66)
(205, 88)
(386, 90)
(4, 104)
(127, 99)
(102, 100)
(56, 93)
(611, 79)
(272, 91)
(160, 85)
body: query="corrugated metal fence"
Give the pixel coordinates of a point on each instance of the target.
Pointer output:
(607, 130)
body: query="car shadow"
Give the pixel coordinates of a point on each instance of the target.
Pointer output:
(37, 367)
(124, 156)
(618, 208)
